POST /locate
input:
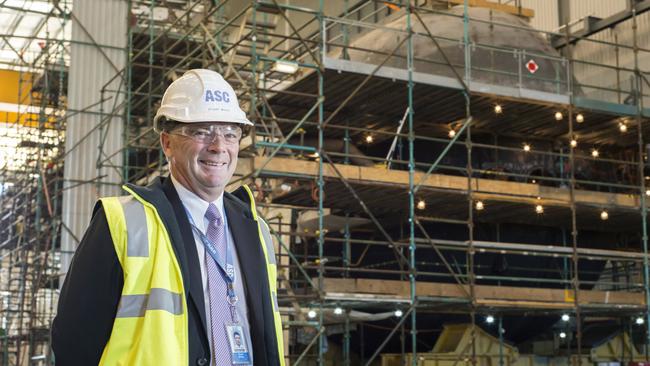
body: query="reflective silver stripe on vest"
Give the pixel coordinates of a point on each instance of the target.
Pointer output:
(275, 301)
(132, 306)
(136, 227)
(270, 252)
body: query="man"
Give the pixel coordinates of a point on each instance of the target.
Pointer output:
(167, 274)
(237, 337)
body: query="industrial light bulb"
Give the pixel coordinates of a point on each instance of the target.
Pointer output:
(338, 311)
(604, 215)
(398, 313)
(558, 116)
(285, 67)
(311, 314)
(539, 209)
(479, 205)
(580, 118)
(451, 133)
(639, 320)
(421, 205)
(573, 142)
(489, 319)
(369, 139)
(498, 109)
(622, 127)
(526, 147)
(595, 153)
(647, 192)
(565, 317)
(562, 335)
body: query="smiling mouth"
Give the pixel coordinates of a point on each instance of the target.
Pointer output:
(212, 163)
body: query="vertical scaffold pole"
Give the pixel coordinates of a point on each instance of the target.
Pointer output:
(642, 193)
(412, 271)
(470, 205)
(575, 279)
(321, 187)
(127, 110)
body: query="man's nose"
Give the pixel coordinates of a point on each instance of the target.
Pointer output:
(218, 143)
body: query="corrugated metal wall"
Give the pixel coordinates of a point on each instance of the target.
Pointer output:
(546, 14)
(546, 11)
(611, 55)
(92, 67)
(600, 77)
(599, 82)
(597, 8)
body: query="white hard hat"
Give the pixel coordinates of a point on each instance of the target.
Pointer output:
(200, 95)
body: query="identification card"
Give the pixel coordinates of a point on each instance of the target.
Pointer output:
(238, 346)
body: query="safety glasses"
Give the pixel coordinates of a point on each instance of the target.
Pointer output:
(208, 133)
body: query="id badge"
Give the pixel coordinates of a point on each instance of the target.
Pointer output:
(238, 347)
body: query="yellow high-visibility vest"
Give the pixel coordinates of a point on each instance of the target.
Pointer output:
(271, 270)
(151, 324)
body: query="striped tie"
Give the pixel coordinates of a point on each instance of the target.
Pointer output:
(219, 307)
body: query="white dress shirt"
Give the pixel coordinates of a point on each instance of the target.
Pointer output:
(197, 207)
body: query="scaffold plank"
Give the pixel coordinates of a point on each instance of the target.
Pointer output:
(482, 188)
(516, 10)
(486, 295)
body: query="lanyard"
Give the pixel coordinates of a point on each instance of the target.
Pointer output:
(227, 268)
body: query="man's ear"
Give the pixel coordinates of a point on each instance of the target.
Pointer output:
(165, 143)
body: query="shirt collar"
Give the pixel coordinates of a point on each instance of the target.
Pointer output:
(196, 205)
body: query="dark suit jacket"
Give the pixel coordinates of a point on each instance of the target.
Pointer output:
(91, 292)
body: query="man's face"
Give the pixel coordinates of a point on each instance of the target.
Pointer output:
(203, 168)
(237, 339)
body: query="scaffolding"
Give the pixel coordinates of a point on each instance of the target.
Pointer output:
(349, 220)
(32, 140)
(412, 178)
